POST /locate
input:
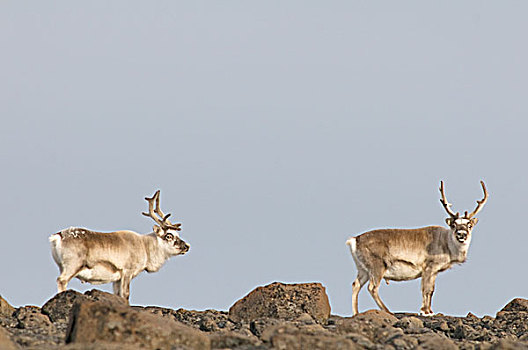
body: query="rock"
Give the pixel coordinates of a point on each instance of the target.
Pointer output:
(258, 327)
(6, 310)
(231, 340)
(30, 317)
(111, 322)
(367, 323)
(405, 342)
(360, 340)
(508, 345)
(517, 304)
(435, 341)
(59, 307)
(206, 321)
(5, 340)
(410, 324)
(282, 301)
(289, 336)
(292, 329)
(305, 319)
(93, 346)
(289, 341)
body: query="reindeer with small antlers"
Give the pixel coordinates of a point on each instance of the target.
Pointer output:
(117, 257)
(407, 254)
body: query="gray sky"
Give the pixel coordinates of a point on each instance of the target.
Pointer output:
(275, 130)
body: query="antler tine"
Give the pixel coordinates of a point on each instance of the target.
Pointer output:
(152, 213)
(480, 203)
(445, 203)
(158, 209)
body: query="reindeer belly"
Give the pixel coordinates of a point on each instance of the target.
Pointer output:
(99, 274)
(402, 271)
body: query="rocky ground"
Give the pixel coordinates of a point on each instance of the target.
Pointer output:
(277, 316)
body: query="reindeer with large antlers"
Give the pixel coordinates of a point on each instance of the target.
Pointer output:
(117, 257)
(407, 254)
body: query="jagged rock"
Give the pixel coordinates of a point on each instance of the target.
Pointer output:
(206, 321)
(517, 304)
(513, 323)
(258, 327)
(6, 310)
(59, 307)
(435, 341)
(410, 324)
(367, 323)
(291, 336)
(30, 317)
(283, 301)
(111, 322)
(5, 341)
(360, 340)
(231, 340)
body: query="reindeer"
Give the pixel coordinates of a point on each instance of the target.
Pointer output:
(117, 257)
(407, 254)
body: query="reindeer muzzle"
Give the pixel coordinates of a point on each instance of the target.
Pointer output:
(185, 248)
(461, 235)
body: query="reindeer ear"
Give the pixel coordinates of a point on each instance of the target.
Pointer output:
(474, 221)
(157, 230)
(449, 221)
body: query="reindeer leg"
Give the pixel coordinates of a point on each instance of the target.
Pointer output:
(124, 284)
(67, 274)
(376, 274)
(361, 279)
(428, 285)
(117, 287)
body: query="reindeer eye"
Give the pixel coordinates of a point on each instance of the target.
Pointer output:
(169, 237)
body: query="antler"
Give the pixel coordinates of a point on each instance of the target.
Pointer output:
(445, 203)
(162, 220)
(480, 203)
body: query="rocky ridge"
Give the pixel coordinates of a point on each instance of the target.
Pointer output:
(277, 316)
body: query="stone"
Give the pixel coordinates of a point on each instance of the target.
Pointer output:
(282, 301)
(83, 346)
(294, 342)
(5, 341)
(305, 319)
(30, 317)
(231, 340)
(504, 344)
(367, 323)
(94, 321)
(59, 307)
(206, 321)
(6, 310)
(435, 341)
(258, 327)
(410, 324)
(517, 304)
(289, 336)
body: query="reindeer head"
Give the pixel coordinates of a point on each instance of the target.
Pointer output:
(462, 226)
(166, 232)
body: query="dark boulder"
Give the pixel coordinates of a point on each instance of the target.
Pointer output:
(115, 323)
(517, 304)
(59, 307)
(283, 301)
